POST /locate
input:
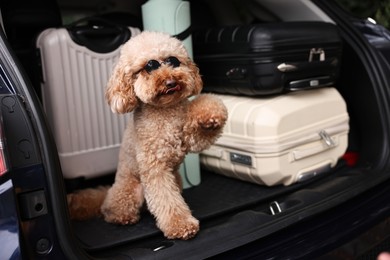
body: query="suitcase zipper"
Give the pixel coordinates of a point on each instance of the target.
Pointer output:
(266, 55)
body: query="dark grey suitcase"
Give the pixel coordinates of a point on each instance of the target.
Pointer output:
(269, 58)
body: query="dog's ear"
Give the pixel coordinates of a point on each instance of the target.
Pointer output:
(198, 83)
(120, 93)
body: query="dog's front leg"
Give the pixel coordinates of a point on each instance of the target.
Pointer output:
(124, 199)
(206, 117)
(123, 203)
(164, 200)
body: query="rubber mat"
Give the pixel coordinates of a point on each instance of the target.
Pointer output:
(215, 196)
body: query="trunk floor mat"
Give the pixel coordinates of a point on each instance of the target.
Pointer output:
(215, 196)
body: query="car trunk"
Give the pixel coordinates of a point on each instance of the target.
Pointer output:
(233, 213)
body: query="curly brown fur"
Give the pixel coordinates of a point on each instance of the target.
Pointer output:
(166, 126)
(85, 204)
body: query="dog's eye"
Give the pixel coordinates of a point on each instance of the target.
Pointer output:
(172, 61)
(152, 65)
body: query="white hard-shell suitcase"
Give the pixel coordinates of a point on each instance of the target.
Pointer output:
(87, 133)
(281, 139)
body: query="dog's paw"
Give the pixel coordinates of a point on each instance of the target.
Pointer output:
(212, 123)
(210, 112)
(180, 227)
(120, 216)
(121, 219)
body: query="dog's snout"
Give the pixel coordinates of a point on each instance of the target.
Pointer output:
(170, 83)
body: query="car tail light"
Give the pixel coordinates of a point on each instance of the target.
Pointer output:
(3, 159)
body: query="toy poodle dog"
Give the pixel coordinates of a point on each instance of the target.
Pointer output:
(154, 78)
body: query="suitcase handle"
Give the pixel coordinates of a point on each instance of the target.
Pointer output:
(98, 34)
(317, 68)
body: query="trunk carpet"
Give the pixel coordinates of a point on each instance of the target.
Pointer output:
(215, 196)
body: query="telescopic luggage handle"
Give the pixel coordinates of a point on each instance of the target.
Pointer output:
(98, 34)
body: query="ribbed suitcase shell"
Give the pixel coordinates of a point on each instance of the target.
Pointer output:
(87, 133)
(281, 139)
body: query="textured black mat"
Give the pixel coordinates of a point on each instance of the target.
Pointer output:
(215, 195)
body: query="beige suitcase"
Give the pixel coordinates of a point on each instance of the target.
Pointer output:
(281, 139)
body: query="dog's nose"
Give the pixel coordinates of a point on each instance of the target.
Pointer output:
(170, 83)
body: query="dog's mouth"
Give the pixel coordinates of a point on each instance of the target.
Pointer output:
(170, 91)
(171, 87)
